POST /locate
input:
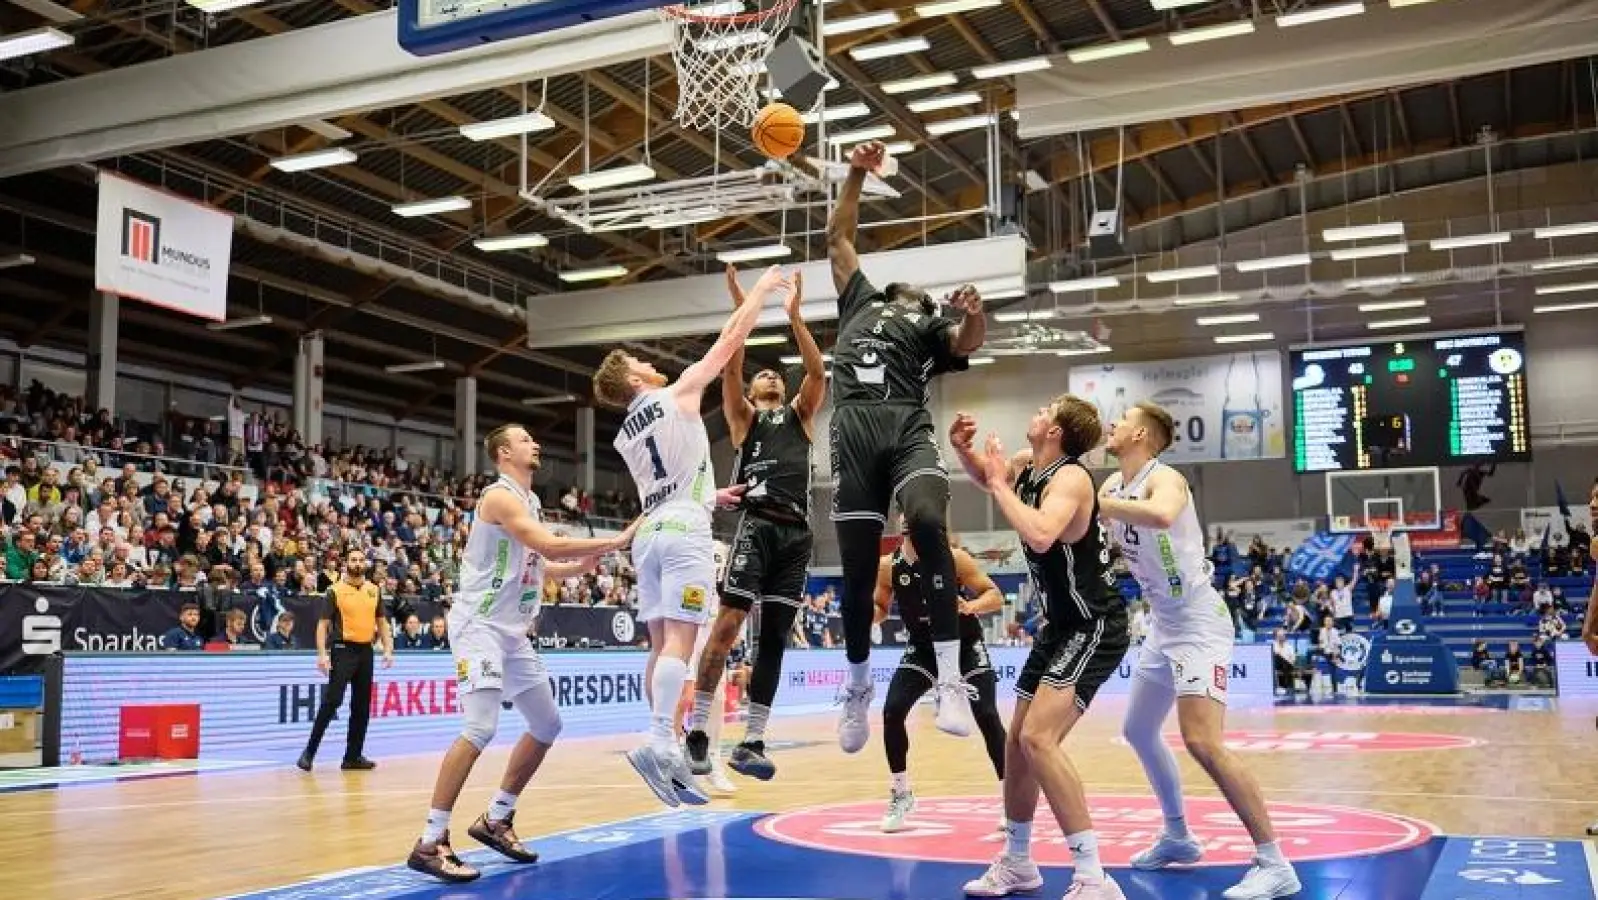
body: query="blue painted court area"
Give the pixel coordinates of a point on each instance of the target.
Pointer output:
(719, 854)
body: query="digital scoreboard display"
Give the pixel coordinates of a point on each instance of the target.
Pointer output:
(1429, 401)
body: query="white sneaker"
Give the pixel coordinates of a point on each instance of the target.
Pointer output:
(1265, 882)
(900, 805)
(854, 724)
(1006, 875)
(720, 784)
(1169, 851)
(954, 708)
(1094, 889)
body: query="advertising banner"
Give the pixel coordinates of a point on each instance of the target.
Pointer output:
(1225, 407)
(1538, 522)
(1276, 533)
(1577, 670)
(260, 706)
(162, 249)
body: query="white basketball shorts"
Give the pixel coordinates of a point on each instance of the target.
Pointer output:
(491, 658)
(676, 566)
(1195, 665)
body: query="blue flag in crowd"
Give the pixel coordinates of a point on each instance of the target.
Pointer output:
(1559, 497)
(1322, 557)
(1474, 531)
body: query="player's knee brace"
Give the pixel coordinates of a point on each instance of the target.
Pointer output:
(539, 711)
(479, 717)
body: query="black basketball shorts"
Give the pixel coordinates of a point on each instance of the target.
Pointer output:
(876, 450)
(1083, 659)
(769, 563)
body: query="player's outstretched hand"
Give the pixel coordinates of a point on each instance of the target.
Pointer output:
(963, 432)
(771, 281)
(730, 497)
(796, 291)
(967, 300)
(995, 464)
(868, 156)
(733, 288)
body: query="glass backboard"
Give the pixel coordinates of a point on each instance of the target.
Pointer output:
(1411, 499)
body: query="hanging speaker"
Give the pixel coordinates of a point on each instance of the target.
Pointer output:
(1104, 234)
(798, 72)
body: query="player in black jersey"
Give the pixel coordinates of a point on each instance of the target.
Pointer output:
(1048, 497)
(891, 343)
(771, 551)
(899, 579)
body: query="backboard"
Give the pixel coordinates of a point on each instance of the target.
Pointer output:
(428, 27)
(1410, 498)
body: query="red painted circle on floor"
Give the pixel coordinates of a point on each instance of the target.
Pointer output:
(1395, 710)
(1334, 741)
(964, 830)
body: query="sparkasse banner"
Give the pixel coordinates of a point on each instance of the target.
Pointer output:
(158, 248)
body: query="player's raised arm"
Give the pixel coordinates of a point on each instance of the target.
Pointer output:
(1040, 526)
(971, 577)
(846, 215)
(693, 381)
(735, 405)
(966, 338)
(1167, 497)
(813, 389)
(502, 509)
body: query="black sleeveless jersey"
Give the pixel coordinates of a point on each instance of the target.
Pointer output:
(887, 353)
(1075, 579)
(774, 466)
(911, 598)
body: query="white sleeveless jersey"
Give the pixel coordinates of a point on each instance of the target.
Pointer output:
(668, 453)
(502, 579)
(1170, 565)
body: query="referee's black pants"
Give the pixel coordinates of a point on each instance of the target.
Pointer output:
(351, 668)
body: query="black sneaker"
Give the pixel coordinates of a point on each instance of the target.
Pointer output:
(749, 758)
(698, 744)
(304, 762)
(360, 763)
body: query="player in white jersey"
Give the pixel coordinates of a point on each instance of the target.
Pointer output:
(1187, 655)
(501, 585)
(663, 441)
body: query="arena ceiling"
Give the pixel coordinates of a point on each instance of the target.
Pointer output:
(1185, 182)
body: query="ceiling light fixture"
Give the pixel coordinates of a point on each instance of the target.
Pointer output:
(1211, 33)
(899, 148)
(1205, 299)
(39, 40)
(1574, 229)
(598, 273)
(1165, 276)
(1295, 260)
(866, 22)
(1025, 315)
(766, 340)
(315, 159)
(1382, 324)
(552, 400)
(1083, 351)
(874, 133)
(1572, 288)
(16, 260)
(609, 178)
(1084, 284)
(1464, 241)
(751, 254)
(235, 324)
(943, 101)
(951, 126)
(837, 113)
(1245, 338)
(886, 49)
(511, 242)
(1363, 232)
(1108, 51)
(796, 360)
(919, 83)
(431, 365)
(952, 7)
(1391, 305)
(1343, 254)
(1569, 262)
(1320, 14)
(512, 126)
(216, 6)
(1565, 307)
(46, 9)
(431, 207)
(1239, 319)
(1164, 5)
(1004, 69)
(1384, 281)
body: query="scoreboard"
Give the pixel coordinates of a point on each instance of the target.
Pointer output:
(1421, 401)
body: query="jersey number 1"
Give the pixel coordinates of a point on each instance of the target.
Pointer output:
(654, 457)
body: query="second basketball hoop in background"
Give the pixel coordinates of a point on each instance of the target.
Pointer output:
(779, 130)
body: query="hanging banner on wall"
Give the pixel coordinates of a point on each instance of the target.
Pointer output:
(1225, 407)
(158, 248)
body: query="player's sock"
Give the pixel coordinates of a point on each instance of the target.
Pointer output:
(1270, 854)
(901, 782)
(1085, 854)
(860, 674)
(670, 673)
(1176, 827)
(500, 808)
(755, 730)
(437, 824)
(1018, 838)
(703, 701)
(948, 656)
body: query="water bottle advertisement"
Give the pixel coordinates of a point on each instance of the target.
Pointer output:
(1225, 407)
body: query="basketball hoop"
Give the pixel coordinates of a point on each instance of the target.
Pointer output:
(1381, 529)
(720, 48)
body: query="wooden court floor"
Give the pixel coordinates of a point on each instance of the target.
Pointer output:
(1530, 774)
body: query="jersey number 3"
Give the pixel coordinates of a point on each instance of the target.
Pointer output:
(654, 458)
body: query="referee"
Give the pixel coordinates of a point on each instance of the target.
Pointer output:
(351, 618)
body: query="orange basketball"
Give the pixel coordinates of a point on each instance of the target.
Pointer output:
(778, 130)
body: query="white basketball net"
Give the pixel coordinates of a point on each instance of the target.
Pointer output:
(722, 58)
